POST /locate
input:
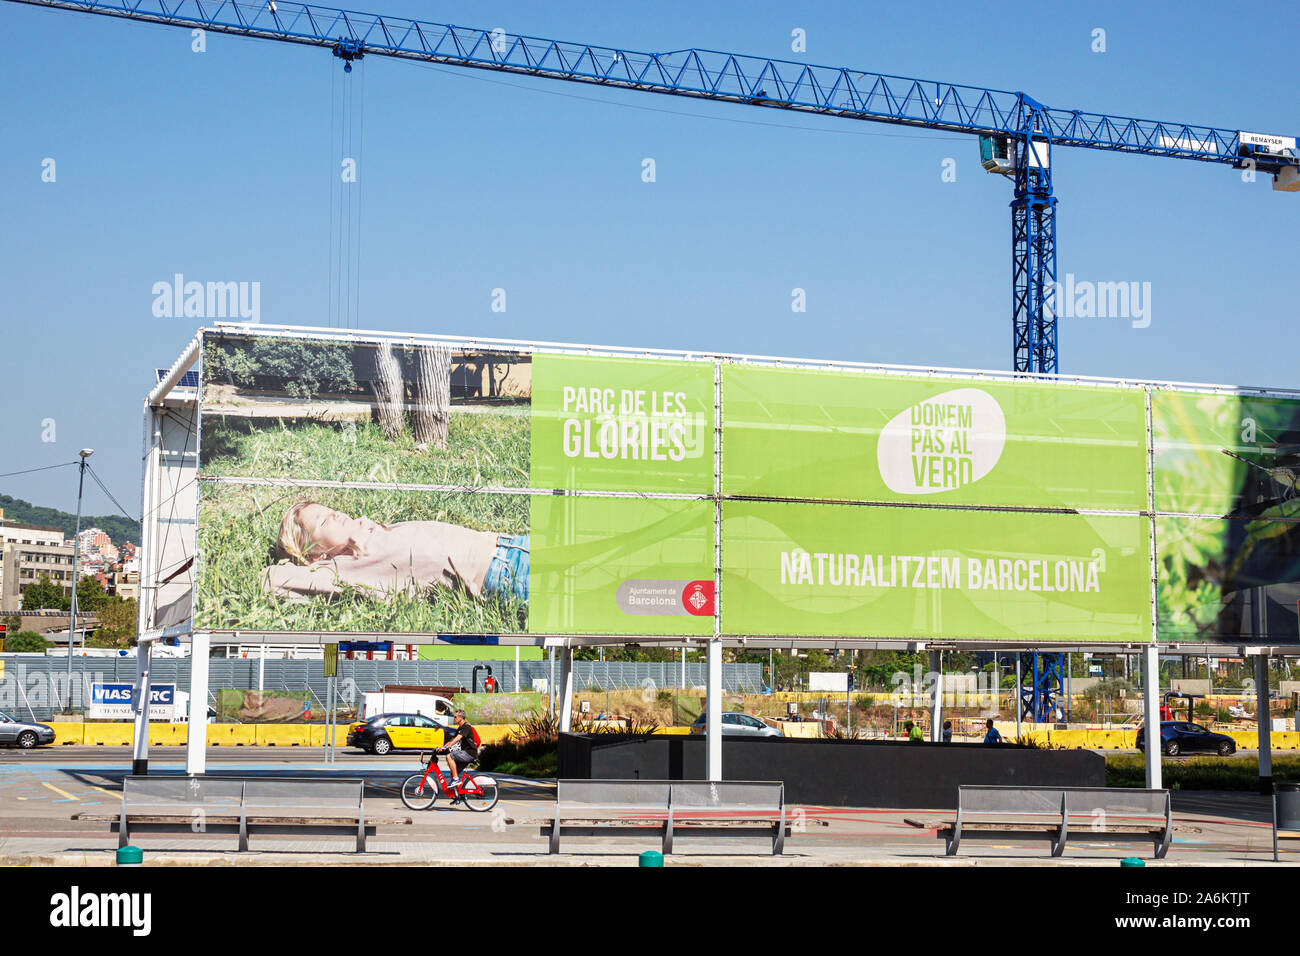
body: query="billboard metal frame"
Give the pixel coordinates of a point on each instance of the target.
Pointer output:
(193, 354)
(168, 393)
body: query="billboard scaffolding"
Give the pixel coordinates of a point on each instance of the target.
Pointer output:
(450, 489)
(380, 483)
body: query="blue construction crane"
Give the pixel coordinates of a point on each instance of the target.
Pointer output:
(1017, 134)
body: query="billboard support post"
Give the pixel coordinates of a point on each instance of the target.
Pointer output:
(936, 697)
(550, 681)
(1264, 722)
(713, 702)
(566, 690)
(1151, 713)
(140, 745)
(713, 706)
(1019, 699)
(196, 745)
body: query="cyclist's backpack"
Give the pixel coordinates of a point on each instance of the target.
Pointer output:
(477, 742)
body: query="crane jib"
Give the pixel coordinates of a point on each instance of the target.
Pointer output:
(757, 81)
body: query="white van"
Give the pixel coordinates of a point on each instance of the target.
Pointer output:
(439, 709)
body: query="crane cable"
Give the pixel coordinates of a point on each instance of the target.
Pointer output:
(347, 145)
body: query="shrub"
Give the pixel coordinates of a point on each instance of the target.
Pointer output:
(301, 368)
(1199, 773)
(1109, 688)
(529, 750)
(25, 642)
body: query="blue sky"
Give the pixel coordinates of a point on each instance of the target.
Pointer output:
(218, 165)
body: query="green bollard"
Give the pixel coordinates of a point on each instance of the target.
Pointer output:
(130, 856)
(651, 858)
(1132, 861)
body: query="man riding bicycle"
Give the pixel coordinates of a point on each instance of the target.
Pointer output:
(462, 749)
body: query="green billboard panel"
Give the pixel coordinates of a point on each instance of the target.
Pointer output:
(389, 484)
(613, 424)
(879, 571)
(791, 433)
(622, 566)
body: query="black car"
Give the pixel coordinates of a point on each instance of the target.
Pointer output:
(1181, 736)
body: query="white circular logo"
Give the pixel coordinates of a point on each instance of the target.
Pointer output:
(942, 444)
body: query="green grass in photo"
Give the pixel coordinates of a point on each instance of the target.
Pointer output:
(483, 448)
(238, 525)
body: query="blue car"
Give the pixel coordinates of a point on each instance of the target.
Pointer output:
(1181, 736)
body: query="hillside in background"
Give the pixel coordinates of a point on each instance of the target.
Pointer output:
(120, 529)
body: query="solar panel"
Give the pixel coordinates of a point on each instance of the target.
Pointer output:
(189, 380)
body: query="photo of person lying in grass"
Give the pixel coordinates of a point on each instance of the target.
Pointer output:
(362, 560)
(325, 552)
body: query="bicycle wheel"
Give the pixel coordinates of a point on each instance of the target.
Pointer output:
(417, 797)
(483, 796)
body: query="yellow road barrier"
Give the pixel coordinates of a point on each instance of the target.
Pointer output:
(108, 735)
(231, 735)
(164, 735)
(66, 732)
(281, 735)
(317, 735)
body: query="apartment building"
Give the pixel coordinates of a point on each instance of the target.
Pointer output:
(28, 552)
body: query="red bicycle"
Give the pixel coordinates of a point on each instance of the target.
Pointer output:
(420, 790)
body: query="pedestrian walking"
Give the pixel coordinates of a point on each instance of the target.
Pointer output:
(992, 736)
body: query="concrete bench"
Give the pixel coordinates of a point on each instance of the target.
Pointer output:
(205, 805)
(1057, 814)
(664, 808)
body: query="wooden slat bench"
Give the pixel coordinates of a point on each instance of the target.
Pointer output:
(1057, 814)
(665, 808)
(206, 805)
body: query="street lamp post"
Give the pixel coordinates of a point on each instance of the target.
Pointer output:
(76, 567)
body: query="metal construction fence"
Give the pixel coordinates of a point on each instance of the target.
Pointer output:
(36, 688)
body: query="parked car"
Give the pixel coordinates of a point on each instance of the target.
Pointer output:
(740, 724)
(388, 732)
(1180, 736)
(23, 734)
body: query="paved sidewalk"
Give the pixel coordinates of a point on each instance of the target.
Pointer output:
(37, 800)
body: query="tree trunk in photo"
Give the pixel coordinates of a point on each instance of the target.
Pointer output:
(388, 392)
(432, 396)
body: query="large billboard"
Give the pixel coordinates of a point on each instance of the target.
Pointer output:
(426, 486)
